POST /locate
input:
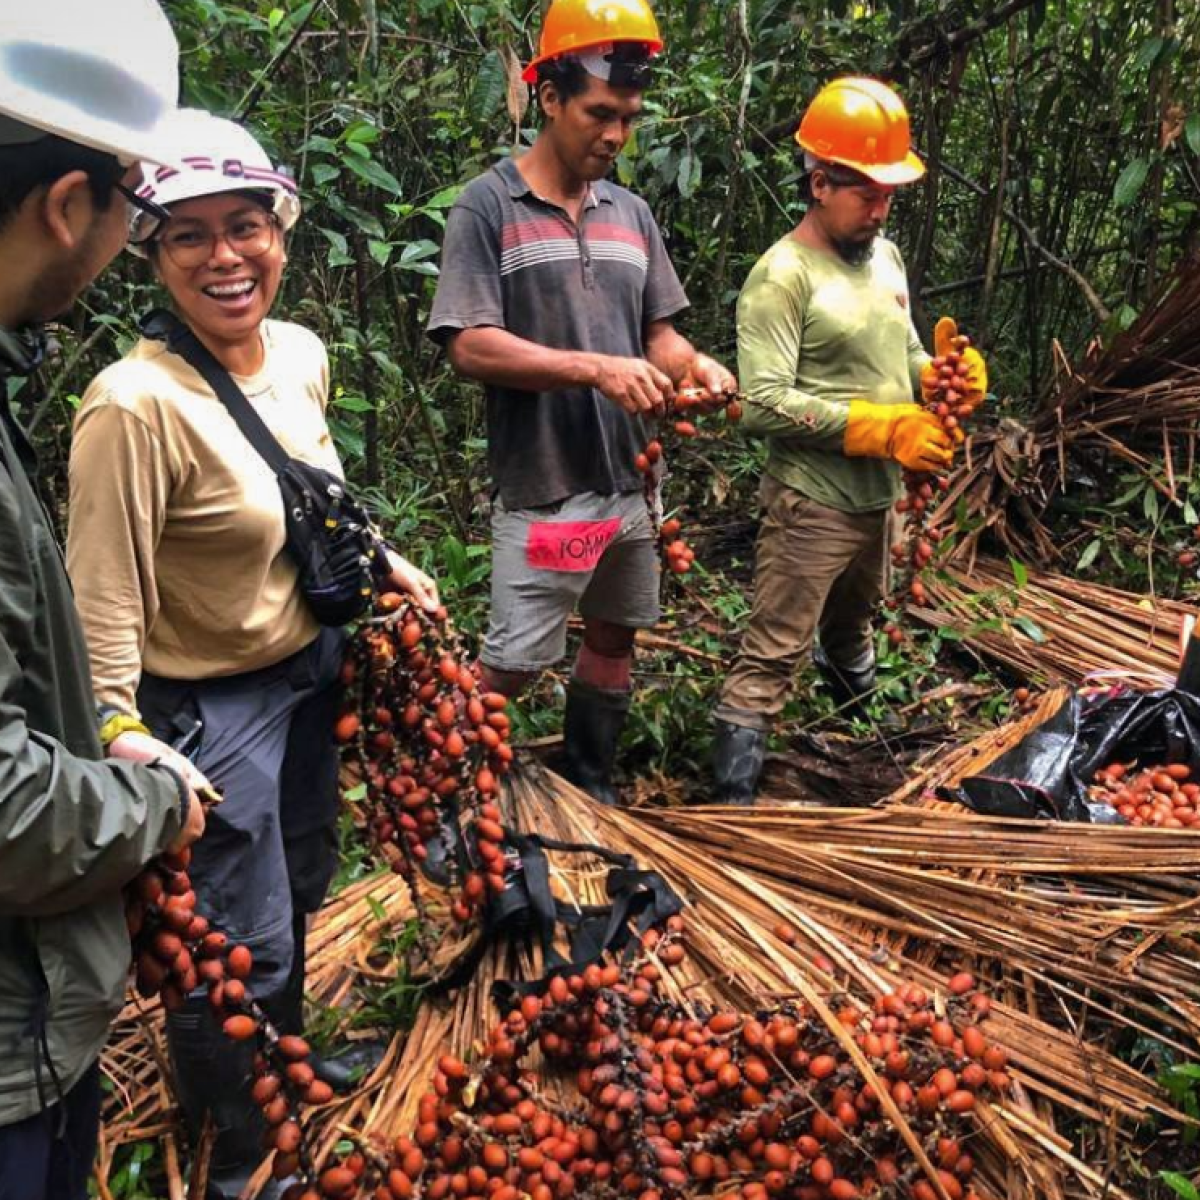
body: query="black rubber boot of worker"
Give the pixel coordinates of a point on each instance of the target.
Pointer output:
(738, 754)
(343, 1067)
(592, 729)
(212, 1076)
(848, 688)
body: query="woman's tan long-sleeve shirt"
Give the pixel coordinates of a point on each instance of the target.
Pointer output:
(176, 539)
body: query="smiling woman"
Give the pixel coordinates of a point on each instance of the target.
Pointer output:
(222, 259)
(195, 621)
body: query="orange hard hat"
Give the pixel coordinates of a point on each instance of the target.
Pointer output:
(862, 124)
(575, 25)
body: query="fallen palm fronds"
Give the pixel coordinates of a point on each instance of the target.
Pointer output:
(1083, 933)
(1135, 401)
(870, 892)
(1056, 628)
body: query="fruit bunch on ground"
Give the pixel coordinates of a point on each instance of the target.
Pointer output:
(1165, 797)
(599, 1085)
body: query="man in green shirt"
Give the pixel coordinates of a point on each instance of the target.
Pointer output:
(829, 361)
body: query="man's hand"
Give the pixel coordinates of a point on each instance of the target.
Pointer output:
(193, 827)
(409, 579)
(633, 384)
(715, 383)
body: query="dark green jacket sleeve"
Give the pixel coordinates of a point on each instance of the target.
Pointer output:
(72, 830)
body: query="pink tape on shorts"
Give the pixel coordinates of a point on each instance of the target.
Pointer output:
(569, 545)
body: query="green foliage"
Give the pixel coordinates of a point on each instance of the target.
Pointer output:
(385, 109)
(1180, 1185)
(1182, 1083)
(136, 1172)
(392, 1004)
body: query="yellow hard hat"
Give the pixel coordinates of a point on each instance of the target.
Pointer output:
(575, 25)
(862, 124)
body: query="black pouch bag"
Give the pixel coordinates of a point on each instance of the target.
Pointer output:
(329, 535)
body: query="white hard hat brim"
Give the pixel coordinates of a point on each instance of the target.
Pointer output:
(128, 146)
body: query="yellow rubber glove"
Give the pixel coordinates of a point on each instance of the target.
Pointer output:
(903, 432)
(973, 368)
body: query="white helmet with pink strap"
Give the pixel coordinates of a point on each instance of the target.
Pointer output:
(215, 155)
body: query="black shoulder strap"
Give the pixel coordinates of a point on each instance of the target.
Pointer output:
(163, 326)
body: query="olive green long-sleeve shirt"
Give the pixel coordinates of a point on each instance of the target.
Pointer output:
(73, 828)
(814, 333)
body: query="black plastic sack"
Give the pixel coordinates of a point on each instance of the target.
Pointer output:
(1048, 774)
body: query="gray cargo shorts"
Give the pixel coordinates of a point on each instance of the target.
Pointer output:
(592, 551)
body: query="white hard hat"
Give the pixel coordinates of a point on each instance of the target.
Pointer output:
(215, 155)
(102, 73)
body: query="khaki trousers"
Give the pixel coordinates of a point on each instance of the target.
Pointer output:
(816, 569)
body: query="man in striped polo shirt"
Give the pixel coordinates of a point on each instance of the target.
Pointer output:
(557, 294)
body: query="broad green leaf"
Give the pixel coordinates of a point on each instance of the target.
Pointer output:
(339, 248)
(323, 173)
(1180, 1185)
(322, 145)
(416, 255)
(690, 170)
(1090, 551)
(379, 251)
(1125, 316)
(1191, 131)
(416, 251)
(1129, 183)
(355, 404)
(491, 87)
(361, 131)
(446, 197)
(1148, 54)
(1030, 628)
(369, 223)
(1020, 572)
(374, 174)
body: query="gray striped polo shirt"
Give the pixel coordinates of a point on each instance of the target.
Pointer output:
(518, 262)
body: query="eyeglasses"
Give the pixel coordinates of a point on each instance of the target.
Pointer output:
(249, 236)
(139, 204)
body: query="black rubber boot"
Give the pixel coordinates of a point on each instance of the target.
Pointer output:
(212, 1075)
(591, 730)
(849, 688)
(343, 1070)
(738, 754)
